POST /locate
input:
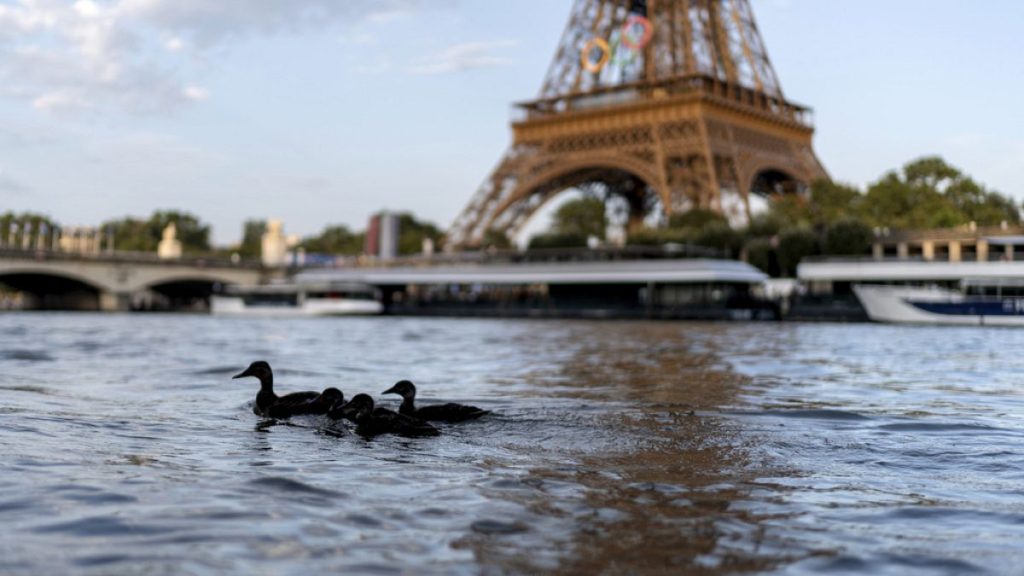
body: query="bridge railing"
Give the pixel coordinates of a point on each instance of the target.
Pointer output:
(600, 254)
(211, 261)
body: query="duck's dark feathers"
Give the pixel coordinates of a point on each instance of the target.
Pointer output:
(322, 404)
(290, 405)
(267, 402)
(372, 421)
(450, 412)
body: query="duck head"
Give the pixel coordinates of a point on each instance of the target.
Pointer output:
(404, 388)
(332, 396)
(258, 369)
(359, 407)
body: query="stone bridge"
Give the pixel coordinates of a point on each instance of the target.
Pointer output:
(116, 282)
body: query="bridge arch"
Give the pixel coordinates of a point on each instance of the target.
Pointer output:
(768, 180)
(50, 290)
(633, 179)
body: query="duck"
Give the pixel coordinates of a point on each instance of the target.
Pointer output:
(322, 404)
(267, 402)
(450, 412)
(371, 421)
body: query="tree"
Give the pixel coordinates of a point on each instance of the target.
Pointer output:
(792, 210)
(795, 245)
(555, 240)
(133, 234)
(413, 232)
(833, 201)
(583, 217)
(34, 221)
(929, 193)
(336, 239)
(847, 237)
(193, 234)
(721, 236)
(761, 254)
(658, 236)
(695, 219)
(496, 239)
(765, 225)
(252, 238)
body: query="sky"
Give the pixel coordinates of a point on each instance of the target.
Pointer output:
(323, 112)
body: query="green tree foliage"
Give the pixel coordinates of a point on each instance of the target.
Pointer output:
(252, 238)
(556, 240)
(133, 234)
(847, 237)
(496, 239)
(765, 225)
(412, 232)
(720, 236)
(582, 217)
(658, 236)
(761, 254)
(833, 201)
(34, 221)
(336, 239)
(696, 219)
(929, 193)
(795, 244)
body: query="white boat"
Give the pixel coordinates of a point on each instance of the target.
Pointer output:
(987, 302)
(312, 299)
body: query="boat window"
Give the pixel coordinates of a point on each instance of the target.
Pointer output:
(271, 300)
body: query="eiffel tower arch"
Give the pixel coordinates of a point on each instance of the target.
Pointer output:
(667, 103)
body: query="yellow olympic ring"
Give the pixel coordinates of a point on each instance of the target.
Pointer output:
(606, 54)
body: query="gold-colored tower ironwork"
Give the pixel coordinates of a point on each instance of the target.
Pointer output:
(667, 103)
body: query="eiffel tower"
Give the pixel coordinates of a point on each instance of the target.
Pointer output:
(666, 104)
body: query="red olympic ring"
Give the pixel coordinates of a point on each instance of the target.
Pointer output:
(627, 28)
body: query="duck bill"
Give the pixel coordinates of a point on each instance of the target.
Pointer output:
(390, 391)
(242, 374)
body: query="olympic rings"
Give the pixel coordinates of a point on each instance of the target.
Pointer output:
(606, 54)
(628, 39)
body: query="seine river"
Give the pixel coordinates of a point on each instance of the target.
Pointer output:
(615, 448)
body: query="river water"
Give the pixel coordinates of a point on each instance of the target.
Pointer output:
(614, 448)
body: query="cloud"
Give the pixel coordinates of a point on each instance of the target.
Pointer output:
(134, 55)
(195, 93)
(10, 186)
(466, 56)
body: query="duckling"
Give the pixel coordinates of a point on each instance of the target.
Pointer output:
(320, 405)
(267, 402)
(372, 421)
(450, 412)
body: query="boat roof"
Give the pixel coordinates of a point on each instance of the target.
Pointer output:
(1005, 240)
(292, 287)
(615, 272)
(905, 270)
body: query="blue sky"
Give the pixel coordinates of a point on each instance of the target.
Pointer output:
(324, 114)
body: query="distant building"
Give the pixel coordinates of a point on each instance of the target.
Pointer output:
(382, 236)
(960, 244)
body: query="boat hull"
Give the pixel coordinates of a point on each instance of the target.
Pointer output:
(236, 306)
(904, 305)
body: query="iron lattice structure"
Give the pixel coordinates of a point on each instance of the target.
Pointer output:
(669, 103)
